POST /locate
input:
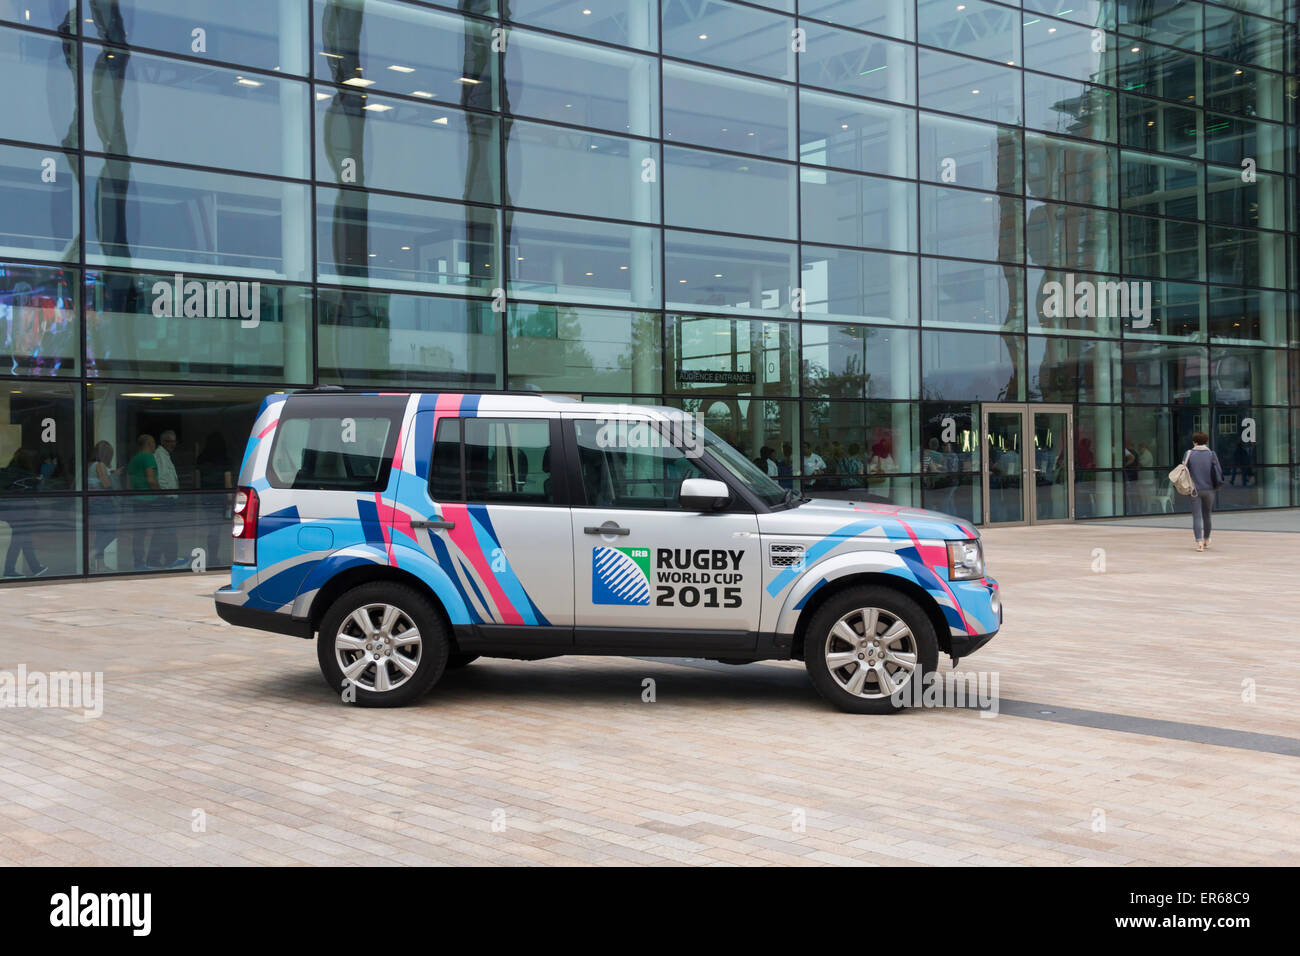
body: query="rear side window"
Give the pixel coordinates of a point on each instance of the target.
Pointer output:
(493, 460)
(325, 446)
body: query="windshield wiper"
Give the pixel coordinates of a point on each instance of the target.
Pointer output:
(792, 500)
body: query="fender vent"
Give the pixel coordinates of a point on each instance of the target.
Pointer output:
(785, 555)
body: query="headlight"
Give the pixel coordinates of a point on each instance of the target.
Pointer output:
(965, 560)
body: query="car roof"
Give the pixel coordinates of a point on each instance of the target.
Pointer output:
(512, 401)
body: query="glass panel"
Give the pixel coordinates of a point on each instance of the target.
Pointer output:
(1163, 248)
(1099, 431)
(401, 48)
(847, 62)
(565, 349)
(1259, 204)
(1178, 312)
(626, 22)
(857, 286)
(725, 111)
(39, 195)
(949, 438)
(39, 330)
(1246, 316)
(39, 438)
(160, 217)
(957, 495)
(1067, 50)
(1076, 303)
(1159, 127)
(1231, 139)
(49, 14)
(891, 19)
(270, 34)
(1245, 437)
(1100, 13)
(720, 274)
(855, 361)
(750, 426)
(214, 114)
(578, 261)
(965, 153)
(132, 420)
(1245, 257)
(1236, 89)
(855, 450)
(971, 88)
(507, 461)
(567, 82)
(129, 534)
(1267, 489)
(1243, 38)
(41, 536)
(1097, 494)
(1247, 376)
(1164, 21)
(1057, 105)
(750, 197)
(970, 225)
(381, 142)
(973, 28)
(971, 295)
(1004, 449)
(1051, 466)
(1072, 370)
(1158, 71)
(1066, 171)
(972, 366)
(729, 35)
(368, 239)
(1071, 237)
(856, 134)
(1157, 374)
(581, 173)
(44, 68)
(155, 327)
(849, 209)
(736, 356)
(408, 341)
(1160, 185)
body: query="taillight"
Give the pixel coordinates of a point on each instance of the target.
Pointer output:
(244, 517)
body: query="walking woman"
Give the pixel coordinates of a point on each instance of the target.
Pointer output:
(1203, 464)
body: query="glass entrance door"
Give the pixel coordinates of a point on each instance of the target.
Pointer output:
(1028, 463)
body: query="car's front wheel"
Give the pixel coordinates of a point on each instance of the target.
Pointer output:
(867, 650)
(381, 645)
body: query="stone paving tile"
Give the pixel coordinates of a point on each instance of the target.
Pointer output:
(718, 772)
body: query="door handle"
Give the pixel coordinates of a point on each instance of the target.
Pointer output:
(611, 529)
(434, 524)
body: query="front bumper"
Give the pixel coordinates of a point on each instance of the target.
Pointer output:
(981, 607)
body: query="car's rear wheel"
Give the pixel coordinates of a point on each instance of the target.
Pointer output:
(382, 645)
(867, 650)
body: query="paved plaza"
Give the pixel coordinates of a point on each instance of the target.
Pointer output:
(1147, 715)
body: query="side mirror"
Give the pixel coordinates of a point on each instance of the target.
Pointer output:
(703, 494)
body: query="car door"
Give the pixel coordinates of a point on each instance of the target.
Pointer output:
(648, 573)
(496, 521)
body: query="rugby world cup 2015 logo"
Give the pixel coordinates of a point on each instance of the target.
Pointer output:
(620, 576)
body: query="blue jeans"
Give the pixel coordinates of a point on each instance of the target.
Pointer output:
(1202, 506)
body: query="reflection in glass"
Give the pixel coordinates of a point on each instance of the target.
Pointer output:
(730, 35)
(40, 218)
(972, 295)
(408, 341)
(721, 274)
(41, 536)
(1004, 450)
(855, 361)
(972, 366)
(45, 70)
(724, 111)
(750, 197)
(581, 261)
(38, 438)
(856, 134)
(858, 286)
(975, 155)
(565, 349)
(971, 225)
(846, 62)
(39, 331)
(856, 451)
(581, 173)
(161, 532)
(1072, 370)
(973, 88)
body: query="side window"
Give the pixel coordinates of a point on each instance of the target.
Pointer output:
(444, 466)
(332, 452)
(633, 467)
(508, 460)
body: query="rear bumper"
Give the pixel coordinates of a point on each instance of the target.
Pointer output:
(241, 615)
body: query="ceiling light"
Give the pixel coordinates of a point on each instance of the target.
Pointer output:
(974, 91)
(586, 13)
(322, 96)
(468, 81)
(358, 81)
(377, 108)
(704, 36)
(332, 56)
(241, 81)
(406, 248)
(402, 69)
(441, 121)
(425, 94)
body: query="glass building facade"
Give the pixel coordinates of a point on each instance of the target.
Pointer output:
(902, 249)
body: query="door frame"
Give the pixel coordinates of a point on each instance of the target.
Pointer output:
(1028, 482)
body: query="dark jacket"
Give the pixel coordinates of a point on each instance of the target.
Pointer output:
(1203, 463)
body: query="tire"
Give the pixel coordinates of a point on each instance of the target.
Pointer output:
(834, 676)
(457, 661)
(343, 641)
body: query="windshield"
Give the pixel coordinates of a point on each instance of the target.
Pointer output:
(744, 470)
